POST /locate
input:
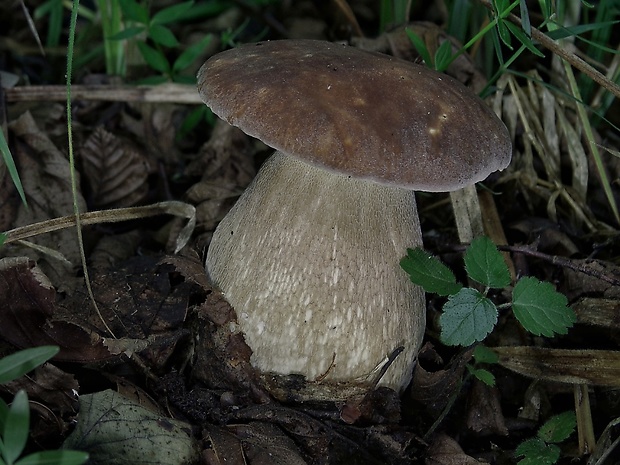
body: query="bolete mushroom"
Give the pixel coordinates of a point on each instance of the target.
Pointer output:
(309, 254)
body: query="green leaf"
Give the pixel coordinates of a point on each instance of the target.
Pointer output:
(525, 40)
(4, 410)
(55, 457)
(421, 48)
(163, 36)
(428, 272)
(563, 32)
(184, 79)
(501, 7)
(482, 354)
(483, 375)
(128, 33)
(195, 117)
(468, 316)
(443, 56)
(15, 433)
(558, 428)
(485, 264)
(154, 58)
(10, 164)
(540, 308)
(525, 18)
(536, 452)
(191, 54)
(171, 13)
(18, 364)
(132, 11)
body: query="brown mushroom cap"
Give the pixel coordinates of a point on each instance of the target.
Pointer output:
(365, 114)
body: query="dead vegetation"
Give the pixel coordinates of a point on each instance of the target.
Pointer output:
(168, 342)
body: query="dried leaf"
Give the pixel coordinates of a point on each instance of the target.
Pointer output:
(117, 172)
(52, 387)
(28, 315)
(45, 175)
(227, 167)
(484, 412)
(594, 367)
(446, 451)
(433, 389)
(265, 444)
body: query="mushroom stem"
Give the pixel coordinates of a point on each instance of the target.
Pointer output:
(309, 259)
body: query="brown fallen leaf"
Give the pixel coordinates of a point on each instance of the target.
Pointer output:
(116, 171)
(265, 444)
(226, 165)
(446, 451)
(484, 412)
(433, 389)
(51, 386)
(594, 367)
(28, 315)
(142, 302)
(44, 171)
(221, 447)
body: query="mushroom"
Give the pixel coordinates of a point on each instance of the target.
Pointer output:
(309, 254)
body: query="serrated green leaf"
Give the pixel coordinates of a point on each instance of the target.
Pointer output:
(154, 58)
(55, 457)
(468, 316)
(15, 433)
(558, 428)
(163, 36)
(485, 264)
(483, 375)
(536, 452)
(171, 13)
(428, 272)
(540, 308)
(18, 364)
(482, 354)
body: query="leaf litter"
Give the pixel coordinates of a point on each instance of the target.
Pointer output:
(177, 342)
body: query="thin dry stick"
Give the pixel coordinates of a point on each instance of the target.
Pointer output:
(563, 262)
(163, 93)
(116, 215)
(528, 250)
(570, 57)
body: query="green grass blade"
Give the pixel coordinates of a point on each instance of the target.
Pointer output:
(10, 164)
(18, 364)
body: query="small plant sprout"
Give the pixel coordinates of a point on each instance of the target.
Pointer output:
(469, 315)
(543, 449)
(483, 356)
